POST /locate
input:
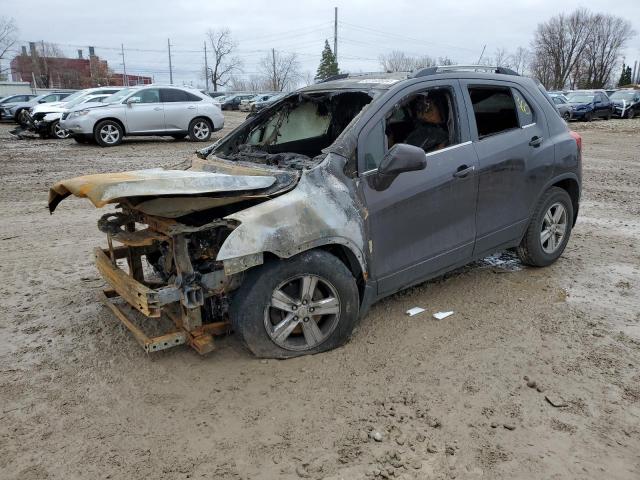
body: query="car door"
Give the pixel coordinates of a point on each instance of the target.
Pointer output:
(145, 112)
(515, 157)
(423, 222)
(180, 107)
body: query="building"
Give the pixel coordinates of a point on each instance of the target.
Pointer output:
(46, 70)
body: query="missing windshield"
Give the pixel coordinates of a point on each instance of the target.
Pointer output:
(297, 130)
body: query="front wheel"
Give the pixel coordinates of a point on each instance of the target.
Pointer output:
(566, 116)
(298, 306)
(108, 133)
(588, 117)
(57, 132)
(549, 230)
(200, 130)
(631, 113)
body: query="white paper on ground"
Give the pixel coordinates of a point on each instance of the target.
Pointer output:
(414, 311)
(441, 315)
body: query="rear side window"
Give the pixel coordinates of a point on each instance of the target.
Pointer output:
(494, 109)
(175, 95)
(525, 113)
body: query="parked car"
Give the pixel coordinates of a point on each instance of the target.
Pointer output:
(11, 100)
(245, 104)
(216, 94)
(259, 105)
(562, 105)
(336, 196)
(232, 102)
(626, 103)
(149, 110)
(45, 117)
(16, 110)
(46, 122)
(589, 104)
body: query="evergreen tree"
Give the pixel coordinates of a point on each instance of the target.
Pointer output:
(625, 76)
(328, 64)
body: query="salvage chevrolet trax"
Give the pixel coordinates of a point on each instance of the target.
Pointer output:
(289, 228)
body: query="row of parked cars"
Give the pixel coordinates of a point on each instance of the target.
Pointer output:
(589, 104)
(248, 102)
(105, 115)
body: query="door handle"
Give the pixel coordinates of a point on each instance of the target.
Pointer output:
(463, 171)
(191, 107)
(535, 141)
(157, 109)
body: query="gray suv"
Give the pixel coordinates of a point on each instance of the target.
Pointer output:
(289, 228)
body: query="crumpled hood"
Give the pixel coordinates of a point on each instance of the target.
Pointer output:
(106, 188)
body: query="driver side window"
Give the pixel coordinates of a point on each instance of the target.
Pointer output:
(425, 119)
(151, 95)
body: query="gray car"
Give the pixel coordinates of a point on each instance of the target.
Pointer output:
(16, 110)
(562, 105)
(289, 228)
(11, 100)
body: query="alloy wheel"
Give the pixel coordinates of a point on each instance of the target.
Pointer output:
(201, 130)
(109, 134)
(554, 228)
(60, 132)
(303, 312)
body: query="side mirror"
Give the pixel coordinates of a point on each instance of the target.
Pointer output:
(42, 101)
(399, 159)
(132, 100)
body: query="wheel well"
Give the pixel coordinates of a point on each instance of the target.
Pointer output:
(342, 253)
(124, 130)
(204, 117)
(572, 188)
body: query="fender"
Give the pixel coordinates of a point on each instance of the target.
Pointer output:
(319, 211)
(553, 181)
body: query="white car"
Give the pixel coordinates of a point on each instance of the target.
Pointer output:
(149, 110)
(45, 118)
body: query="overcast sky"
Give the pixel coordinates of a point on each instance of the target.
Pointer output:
(367, 28)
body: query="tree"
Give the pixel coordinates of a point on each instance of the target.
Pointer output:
(328, 63)
(8, 38)
(398, 61)
(625, 76)
(224, 63)
(520, 60)
(281, 71)
(502, 58)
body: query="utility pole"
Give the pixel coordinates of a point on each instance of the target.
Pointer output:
(335, 34)
(170, 69)
(125, 79)
(275, 80)
(481, 54)
(206, 67)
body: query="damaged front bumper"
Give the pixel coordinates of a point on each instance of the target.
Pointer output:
(192, 301)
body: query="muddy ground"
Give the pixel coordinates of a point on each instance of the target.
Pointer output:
(447, 399)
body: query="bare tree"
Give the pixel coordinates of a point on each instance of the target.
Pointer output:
(8, 38)
(520, 60)
(280, 70)
(609, 36)
(398, 61)
(224, 63)
(502, 58)
(561, 41)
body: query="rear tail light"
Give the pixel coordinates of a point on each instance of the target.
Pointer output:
(578, 140)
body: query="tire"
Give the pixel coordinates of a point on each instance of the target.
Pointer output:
(200, 130)
(608, 117)
(533, 249)
(630, 113)
(588, 117)
(566, 116)
(108, 133)
(19, 118)
(254, 317)
(179, 136)
(56, 132)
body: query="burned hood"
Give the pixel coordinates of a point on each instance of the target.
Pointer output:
(157, 183)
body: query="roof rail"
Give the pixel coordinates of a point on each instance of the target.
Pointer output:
(339, 76)
(453, 68)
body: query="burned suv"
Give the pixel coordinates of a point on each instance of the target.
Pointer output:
(290, 227)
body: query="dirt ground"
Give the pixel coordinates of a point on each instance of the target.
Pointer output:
(446, 399)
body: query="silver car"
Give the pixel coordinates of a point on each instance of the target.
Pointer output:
(149, 110)
(562, 105)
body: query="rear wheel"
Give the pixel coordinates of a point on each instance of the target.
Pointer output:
(549, 230)
(566, 116)
(108, 133)
(297, 306)
(200, 130)
(57, 132)
(588, 117)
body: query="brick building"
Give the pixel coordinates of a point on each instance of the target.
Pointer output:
(48, 71)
